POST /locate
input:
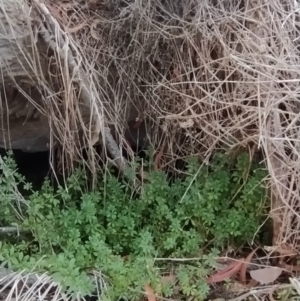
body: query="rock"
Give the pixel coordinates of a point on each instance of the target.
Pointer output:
(27, 137)
(22, 125)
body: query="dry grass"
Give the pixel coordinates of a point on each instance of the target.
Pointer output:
(30, 60)
(203, 74)
(32, 286)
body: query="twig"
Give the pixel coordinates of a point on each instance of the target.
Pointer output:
(11, 230)
(8, 277)
(260, 290)
(85, 95)
(114, 151)
(118, 159)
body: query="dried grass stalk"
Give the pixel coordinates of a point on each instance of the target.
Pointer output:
(204, 75)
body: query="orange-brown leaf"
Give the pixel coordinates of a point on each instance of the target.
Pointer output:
(229, 272)
(150, 292)
(245, 266)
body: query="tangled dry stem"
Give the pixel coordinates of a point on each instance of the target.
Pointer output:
(202, 74)
(25, 286)
(206, 75)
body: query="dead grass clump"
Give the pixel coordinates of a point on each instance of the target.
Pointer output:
(201, 74)
(204, 75)
(37, 56)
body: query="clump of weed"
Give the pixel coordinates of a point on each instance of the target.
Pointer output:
(75, 231)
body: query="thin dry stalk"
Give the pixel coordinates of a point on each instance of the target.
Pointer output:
(208, 75)
(33, 286)
(64, 48)
(203, 75)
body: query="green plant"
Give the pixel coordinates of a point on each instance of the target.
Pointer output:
(287, 294)
(12, 203)
(75, 231)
